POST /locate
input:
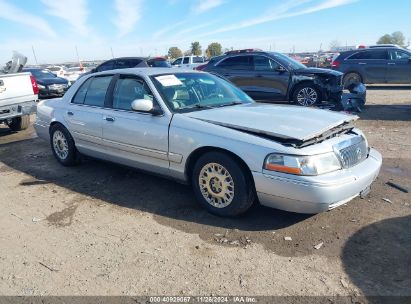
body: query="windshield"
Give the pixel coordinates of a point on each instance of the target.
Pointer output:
(42, 74)
(185, 92)
(289, 62)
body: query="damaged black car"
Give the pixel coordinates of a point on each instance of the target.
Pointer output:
(271, 76)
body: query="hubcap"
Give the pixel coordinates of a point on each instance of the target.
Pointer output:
(216, 185)
(60, 144)
(307, 97)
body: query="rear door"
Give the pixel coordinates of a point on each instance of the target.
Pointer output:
(239, 70)
(135, 138)
(372, 65)
(399, 67)
(84, 114)
(269, 83)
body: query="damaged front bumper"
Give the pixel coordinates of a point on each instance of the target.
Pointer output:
(317, 194)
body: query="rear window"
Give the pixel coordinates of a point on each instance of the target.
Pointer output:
(369, 55)
(93, 91)
(198, 59)
(127, 63)
(236, 63)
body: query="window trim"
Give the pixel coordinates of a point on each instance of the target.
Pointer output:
(110, 100)
(386, 52)
(238, 55)
(269, 58)
(400, 51)
(91, 80)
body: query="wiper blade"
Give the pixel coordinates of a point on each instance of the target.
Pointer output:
(196, 106)
(229, 104)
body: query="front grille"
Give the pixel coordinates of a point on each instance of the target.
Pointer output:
(57, 86)
(352, 152)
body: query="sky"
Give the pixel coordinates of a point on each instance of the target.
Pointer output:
(101, 29)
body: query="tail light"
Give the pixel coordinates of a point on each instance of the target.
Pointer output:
(335, 64)
(200, 67)
(34, 85)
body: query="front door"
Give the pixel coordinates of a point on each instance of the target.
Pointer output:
(135, 138)
(399, 67)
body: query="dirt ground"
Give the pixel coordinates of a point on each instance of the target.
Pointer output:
(103, 229)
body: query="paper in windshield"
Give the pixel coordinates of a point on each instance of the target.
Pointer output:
(168, 80)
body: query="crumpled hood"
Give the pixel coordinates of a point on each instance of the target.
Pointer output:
(317, 71)
(282, 121)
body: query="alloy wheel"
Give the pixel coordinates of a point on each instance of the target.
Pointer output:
(216, 185)
(60, 145)
(307, 96)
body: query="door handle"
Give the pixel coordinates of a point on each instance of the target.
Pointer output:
(259, 76)
(363, 63)
(70, 113)
(1, 83)
(109, 118)
(391, 63)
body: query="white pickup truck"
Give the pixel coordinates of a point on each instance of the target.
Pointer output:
(190, 62)
(18, 94)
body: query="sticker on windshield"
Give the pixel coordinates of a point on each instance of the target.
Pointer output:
(169, 80)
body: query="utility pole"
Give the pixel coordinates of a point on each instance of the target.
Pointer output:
(34, 54)
(78, 57)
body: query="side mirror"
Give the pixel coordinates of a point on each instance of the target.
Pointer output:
(145, 105)
(280, 69)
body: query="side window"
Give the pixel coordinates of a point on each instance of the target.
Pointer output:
(186, 60)
(236, 63)
(262, 63)
(81, 92)
(127, 90)
(399, 55)
(370, 55)
(127, 63)
(97, 90)
(109, 65)
(177, 61)
(198, 59)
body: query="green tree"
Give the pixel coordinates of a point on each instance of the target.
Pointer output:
(398, 38)
(196, 48)
(214, 49)
(174, 52)
(394, 38)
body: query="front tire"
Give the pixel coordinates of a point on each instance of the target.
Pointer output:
(306, 95)
(62, 145)
(221, 185)
(19, 123)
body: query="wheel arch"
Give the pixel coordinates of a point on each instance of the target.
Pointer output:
(196, 154)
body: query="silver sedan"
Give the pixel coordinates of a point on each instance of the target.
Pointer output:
(200, 129)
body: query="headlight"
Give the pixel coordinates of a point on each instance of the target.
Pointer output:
(302, 165)
(41, 86)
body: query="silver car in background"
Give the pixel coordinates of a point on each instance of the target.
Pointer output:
(200, 129)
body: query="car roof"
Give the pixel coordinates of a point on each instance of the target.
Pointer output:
(147, 71)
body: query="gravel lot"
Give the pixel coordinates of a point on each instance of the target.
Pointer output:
(102, 229)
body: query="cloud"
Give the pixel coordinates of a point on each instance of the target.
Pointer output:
(12, 13)
(74, 12)
(128, 14)
(202, 6)
(288, 9)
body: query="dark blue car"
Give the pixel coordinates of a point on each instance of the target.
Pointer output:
(49, 84)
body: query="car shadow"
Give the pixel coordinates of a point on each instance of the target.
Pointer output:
(388, 87)
(377, 258)
(386, 112)
(171, 203)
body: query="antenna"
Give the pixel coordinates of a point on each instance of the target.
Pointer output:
(34, 54)
(78, 58)
(112, 54)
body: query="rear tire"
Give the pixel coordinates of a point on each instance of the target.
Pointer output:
(351, 79)
(19, 123)
(306, 94)
(221, 185)
(62, 146)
